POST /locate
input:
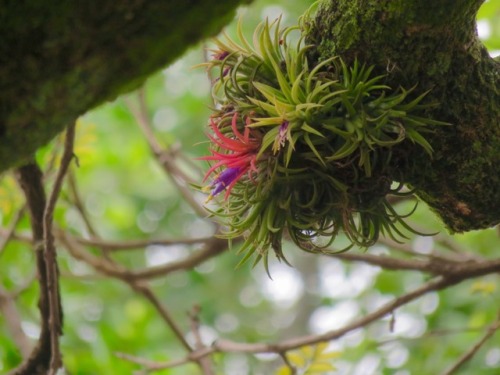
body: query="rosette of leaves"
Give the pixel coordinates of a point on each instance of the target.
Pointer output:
(304, 150)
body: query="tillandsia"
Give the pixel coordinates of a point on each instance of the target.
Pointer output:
(301, 150)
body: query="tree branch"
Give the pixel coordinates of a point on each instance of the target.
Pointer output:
(30, 179)
(435, 47)
(13, 322)
(55, 309)
(45, 357)
(467, 356)
(59, 60)
(163, 156)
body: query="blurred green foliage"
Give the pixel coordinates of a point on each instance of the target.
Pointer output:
(128, 196)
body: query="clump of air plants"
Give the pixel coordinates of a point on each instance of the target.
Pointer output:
(303, 150)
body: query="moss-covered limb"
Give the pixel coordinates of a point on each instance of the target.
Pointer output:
(432, 45)
(59, 59)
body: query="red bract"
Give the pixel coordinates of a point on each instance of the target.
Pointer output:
(236, 154)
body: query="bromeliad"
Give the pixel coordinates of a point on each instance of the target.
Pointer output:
(305, 150)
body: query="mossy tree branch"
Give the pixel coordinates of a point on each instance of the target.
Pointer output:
(58, 60)
(433, 45)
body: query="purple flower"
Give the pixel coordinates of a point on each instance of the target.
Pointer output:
(224, 179)
(282, 136)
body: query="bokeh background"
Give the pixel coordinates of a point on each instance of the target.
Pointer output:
(128, 196)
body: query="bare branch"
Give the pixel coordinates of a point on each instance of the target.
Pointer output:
(136, 244)
(55, 309)
(294, 343)
(12, 319)
(213, 248)
(291, 367)
(390, 263)
(30, 179)
(205, 362)
(112, 246)
(143, 289)
(467, 356)
(280, 348)
(77, 202)
(164, 157)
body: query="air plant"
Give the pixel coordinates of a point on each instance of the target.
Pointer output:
(304, 150)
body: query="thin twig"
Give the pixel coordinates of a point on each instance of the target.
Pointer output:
(291, 367)
(391, 263)
(205, 362)
(215, 247)
(294, 343)
(55, 322)
(143, 289)
(164, 157)
(467, 356)
(406, 248)
(112, 246)
(77, 202)
(13, 322)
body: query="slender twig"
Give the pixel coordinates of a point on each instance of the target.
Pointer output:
(143, 289)
(154, 365)
(205, 362)
(55, 322)
(392, 263)
(211, 249)
(164, 157)
(467, 356)
(13, 322)
(78, 204)
(291, 367)
(294, 343)
(112, 246)
(215, 247)
(406, 248)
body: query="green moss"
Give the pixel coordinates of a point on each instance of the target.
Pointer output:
(433, 46)
(59, 60)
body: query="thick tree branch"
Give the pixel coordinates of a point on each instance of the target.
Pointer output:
(58, 60)
(434, 46)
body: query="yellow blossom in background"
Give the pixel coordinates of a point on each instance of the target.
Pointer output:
(310, 360)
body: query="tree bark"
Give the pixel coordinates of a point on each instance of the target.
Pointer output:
(60, 59)
(433, 45)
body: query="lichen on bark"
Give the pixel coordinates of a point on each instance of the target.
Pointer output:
(432, 45)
